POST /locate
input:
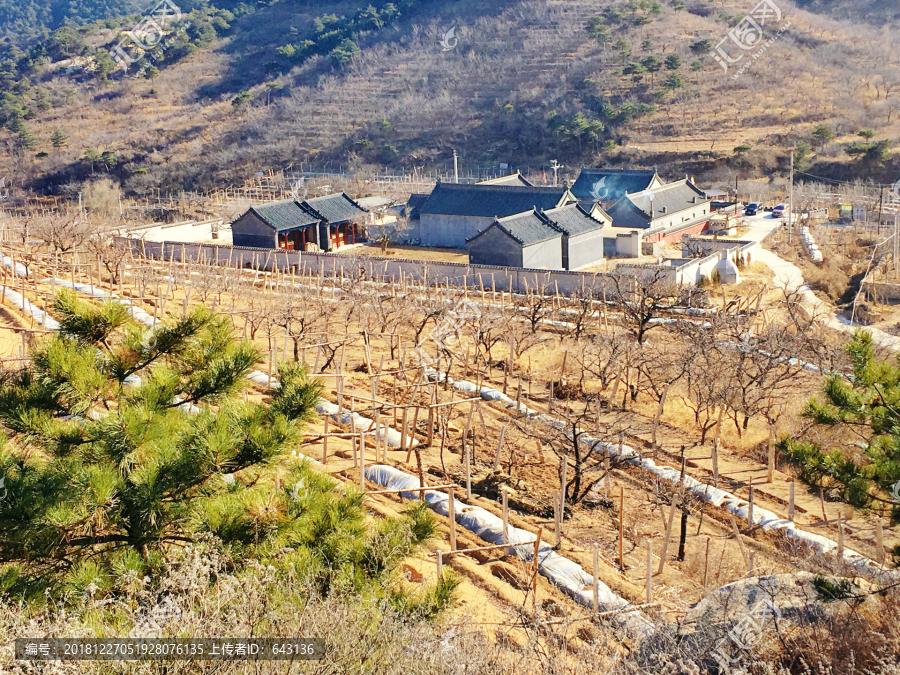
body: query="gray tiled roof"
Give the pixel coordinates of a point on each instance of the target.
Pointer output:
(669, 198)
(610, 185)
(626, 214)
(337, 208)
(284, 215)
(528, 228)
(491, 200)
(634, 210)
(414, 204)
(572, 220)
(512, 179)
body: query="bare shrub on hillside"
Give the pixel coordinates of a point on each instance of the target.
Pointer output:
(101, 197)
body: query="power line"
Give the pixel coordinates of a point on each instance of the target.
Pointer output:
(844, 182)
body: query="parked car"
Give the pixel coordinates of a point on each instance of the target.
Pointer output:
(752, 209)
(781, 211)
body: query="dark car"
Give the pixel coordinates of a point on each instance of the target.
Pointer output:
(752, 209)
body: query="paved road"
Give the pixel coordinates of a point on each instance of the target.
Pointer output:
(789, 276)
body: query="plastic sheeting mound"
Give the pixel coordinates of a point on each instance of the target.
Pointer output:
(566, 575)
(359, 423)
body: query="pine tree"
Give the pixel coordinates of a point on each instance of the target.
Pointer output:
(59, 139)
(25, 139)
(865, 414)
(125, 441)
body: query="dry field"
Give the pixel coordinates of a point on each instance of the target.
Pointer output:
(369, 340)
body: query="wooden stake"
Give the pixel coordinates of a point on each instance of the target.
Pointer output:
(440, 564)
(505, 517)
(659, 412)
(563, 470)
(622, 528)
(606, 469)
(412, 433)
(403, 439)
(555, 496)
(362, 460)
(879, 542)
(378, 434)
(665, 546)
(534, 567)
(715, 462)
(791, 499)
(840, 535)
(706, 563)
(452, 506)
(750, 507)
(499, 448)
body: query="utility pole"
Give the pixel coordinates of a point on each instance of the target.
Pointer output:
(790, 222)
(455, 167)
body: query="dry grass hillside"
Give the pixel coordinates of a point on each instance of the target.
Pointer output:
(525, 83)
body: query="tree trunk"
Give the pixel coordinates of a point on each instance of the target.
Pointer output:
(681, 541)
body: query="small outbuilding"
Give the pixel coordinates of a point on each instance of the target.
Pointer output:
(582, 233)
(522, 240)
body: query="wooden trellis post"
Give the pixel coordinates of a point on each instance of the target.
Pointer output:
(770, 469)
(622, 527)
(665, 546)
(791, 499)
(451, 505)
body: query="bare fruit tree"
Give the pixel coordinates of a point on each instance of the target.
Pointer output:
(644, 294)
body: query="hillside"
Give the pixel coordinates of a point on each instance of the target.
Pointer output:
(519, 82)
